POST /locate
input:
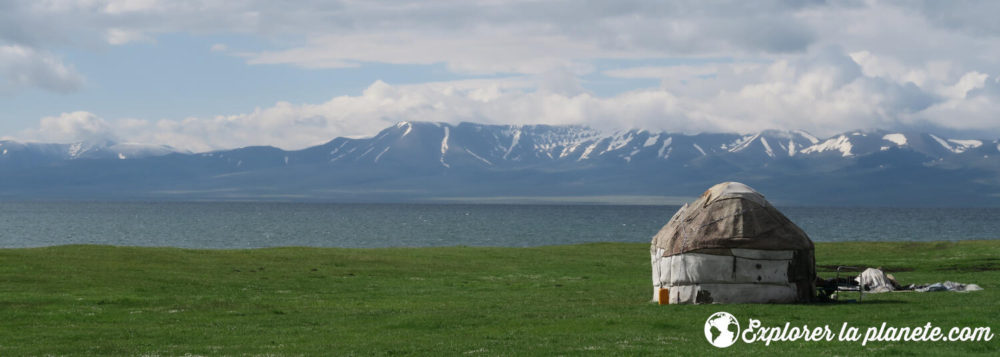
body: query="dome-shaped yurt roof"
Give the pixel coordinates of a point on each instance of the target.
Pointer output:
(729, 215)
(731, 246)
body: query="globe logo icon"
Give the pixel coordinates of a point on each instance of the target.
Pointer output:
(721, 329)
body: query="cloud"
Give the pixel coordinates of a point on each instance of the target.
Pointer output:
(826, 92)
(219, 47)
(749, 65)
(72, 127)
(469, 36)
(117, 36)
(470, 53)
(130, 6)
(23, 67)
(974, 17)
(525, 37)
(538, 37)
(516, 36)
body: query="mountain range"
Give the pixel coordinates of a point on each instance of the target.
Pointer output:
(468, 162)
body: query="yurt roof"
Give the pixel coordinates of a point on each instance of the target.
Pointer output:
(729, 215)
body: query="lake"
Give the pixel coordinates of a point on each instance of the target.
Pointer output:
(262, 224)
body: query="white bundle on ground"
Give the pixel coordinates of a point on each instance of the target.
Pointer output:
(875, 281)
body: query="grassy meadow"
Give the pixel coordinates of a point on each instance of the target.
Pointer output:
(590, 299)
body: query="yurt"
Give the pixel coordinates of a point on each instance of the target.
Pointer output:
(731, 246)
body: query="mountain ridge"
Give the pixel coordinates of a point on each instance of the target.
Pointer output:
(423, 161)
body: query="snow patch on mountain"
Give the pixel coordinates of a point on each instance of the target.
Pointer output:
(409, 127)
(630, 155)
(137, 150)
(812, 139)
(586, 153)
(666, 146)
(75, 150)
(618, 141)
(479, 157)
(552, 141)
(741, 143)
(898, 139)
(513, 142)
(568, 150)
(840, 143)
(364, 153)
(379, 156)
(955, 145)
(941, 142)
(964, 145)
(444, 147)
(335, 150)
(651, 141)
(767, 148)
(702, 151)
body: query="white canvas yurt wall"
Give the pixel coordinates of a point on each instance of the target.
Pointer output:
(731, 246)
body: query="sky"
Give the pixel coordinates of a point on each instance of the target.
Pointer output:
(211, 75)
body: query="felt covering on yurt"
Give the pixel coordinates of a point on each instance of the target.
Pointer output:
(732, 235)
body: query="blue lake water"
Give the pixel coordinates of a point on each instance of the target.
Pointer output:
(256, 225)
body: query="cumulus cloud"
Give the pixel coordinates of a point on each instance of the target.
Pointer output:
(750, 65)
(826, 92)
(23, 67)
(72, 127)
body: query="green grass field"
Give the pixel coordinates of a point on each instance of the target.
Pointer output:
(590, 299)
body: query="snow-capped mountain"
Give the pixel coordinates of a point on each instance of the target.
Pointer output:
(467, 145)
(45, 152)
(421, 160)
